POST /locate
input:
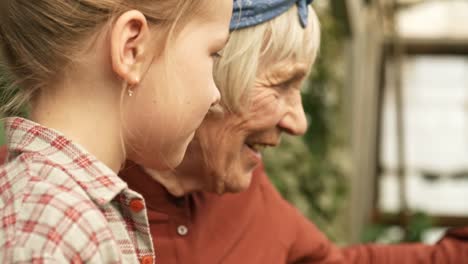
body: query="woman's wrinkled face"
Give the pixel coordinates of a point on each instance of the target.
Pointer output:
(177, 91)
(229, 147)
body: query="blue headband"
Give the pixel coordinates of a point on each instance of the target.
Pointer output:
(248, 13)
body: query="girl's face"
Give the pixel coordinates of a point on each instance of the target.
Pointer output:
(176, 92)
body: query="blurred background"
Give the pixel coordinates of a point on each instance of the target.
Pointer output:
(386, 155)
(385, 158)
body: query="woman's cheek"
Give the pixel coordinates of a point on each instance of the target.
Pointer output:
(265, 111)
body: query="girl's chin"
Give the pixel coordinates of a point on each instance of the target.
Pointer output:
(164, 163)
(177, 156)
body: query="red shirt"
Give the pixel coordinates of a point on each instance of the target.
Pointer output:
(256, 226)
(259, 226)
(3, 154)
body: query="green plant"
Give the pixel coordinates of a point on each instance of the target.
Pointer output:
(418, 224)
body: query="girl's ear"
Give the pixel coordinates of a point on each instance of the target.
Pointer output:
(129, 41)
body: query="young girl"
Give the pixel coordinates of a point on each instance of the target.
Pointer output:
(105, 81)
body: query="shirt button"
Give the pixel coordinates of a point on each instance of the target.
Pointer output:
(136, 205)
(147, 260)
(182, 230)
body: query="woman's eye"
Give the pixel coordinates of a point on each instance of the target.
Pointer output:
(283, 85)
(290, 84)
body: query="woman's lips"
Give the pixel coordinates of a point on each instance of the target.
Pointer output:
(255, 147)
(254, 154)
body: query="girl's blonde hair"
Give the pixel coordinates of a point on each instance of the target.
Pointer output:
(254, 48)
(39, 38)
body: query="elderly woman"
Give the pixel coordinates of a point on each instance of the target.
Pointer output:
(272, 48)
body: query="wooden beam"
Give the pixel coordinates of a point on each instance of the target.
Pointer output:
(403, 4)
(438, 220)
(418, 46)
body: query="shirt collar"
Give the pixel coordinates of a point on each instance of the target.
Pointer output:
(98, 180)
(157, 198)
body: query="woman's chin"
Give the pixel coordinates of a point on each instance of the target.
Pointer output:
(239, 183)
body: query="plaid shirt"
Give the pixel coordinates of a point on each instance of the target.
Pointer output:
(58, 204)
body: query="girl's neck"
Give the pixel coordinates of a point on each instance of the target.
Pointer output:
(86, 112)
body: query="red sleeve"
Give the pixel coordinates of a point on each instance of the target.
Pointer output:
(311, 246)
(306, 244)
(451, 249)
(3, 154)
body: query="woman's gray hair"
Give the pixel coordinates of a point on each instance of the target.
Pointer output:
(250, 49)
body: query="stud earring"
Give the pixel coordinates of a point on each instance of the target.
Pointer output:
(130, 91)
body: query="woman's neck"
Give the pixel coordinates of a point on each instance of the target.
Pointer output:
(178, 183)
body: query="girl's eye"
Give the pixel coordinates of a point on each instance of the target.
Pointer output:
(217, 55)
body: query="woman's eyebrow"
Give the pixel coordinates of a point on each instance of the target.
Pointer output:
(295, 72)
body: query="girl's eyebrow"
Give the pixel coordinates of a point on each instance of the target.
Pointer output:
(224, 41)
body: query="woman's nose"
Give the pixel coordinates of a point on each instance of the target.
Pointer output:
(294, 122)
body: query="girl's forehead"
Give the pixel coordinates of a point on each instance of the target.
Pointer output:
(213, 11)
